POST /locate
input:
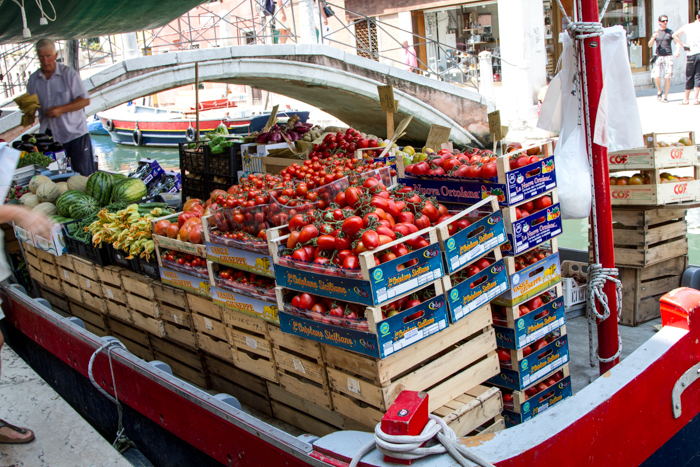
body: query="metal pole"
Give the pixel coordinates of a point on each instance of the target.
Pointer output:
(196, 98)
(607, 330)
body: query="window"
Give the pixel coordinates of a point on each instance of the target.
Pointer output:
(366, 37)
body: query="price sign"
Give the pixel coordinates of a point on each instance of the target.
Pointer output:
(495, 128)
(271, 121)
(386, 99)
(437, 136)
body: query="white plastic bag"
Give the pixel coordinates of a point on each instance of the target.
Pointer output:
(8, 162)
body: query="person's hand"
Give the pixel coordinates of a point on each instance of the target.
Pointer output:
(325, 21)
(284, 16)
(36, 223)
(678, 53)
(54, 112)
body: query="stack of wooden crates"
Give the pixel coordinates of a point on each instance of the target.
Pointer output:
(649, 220)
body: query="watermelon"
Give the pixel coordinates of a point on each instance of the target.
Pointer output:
(99, 186)
(47, 209)
(47, 192)
(77, 182)
(129, 190)
(67, 199)
(118, 176)
(29, 199)
(56, 219)
(36, 181)
(83, 207)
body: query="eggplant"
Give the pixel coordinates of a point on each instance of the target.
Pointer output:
(16, 144)
(26, 147)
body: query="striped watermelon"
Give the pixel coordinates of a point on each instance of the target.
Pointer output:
(99, 186)
(83, 207)
(66, 200)
(129, 190)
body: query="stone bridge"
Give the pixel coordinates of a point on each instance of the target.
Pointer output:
(341, 84)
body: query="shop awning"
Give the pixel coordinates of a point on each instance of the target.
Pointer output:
(77, 19)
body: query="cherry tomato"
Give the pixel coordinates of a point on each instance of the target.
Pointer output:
(370, 239)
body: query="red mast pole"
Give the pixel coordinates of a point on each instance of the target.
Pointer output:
(607, 330)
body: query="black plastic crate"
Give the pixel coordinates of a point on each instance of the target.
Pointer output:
(192, 188)
(72, 244)
(227, 164)
(99, 256)
(212, 185)
(192, 160)
(119, 258)
(150, 268)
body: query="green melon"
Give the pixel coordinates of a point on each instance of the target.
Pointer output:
(47, 209)
(118, 176)
(129, 190)
(99, 186)
(64, 202)
(36, 181)
(83, 207)
(29, 199)
(60, 219)
(47, 192)
(77, 182)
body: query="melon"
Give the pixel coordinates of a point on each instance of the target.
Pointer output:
(66, 200)
(36, 181)
(129, 190)
(47, 209)
(47, 192)
(99, 186)
(62, 187)
(29, 200)
(77, 182)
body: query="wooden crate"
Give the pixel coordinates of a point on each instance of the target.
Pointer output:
(135, 340)
(72, 293)
(110, 275)
(185, 363)
(68, 276)
(249, 389)
(494, 425)
(471, 410)
(32, 260)
(250, 343)
(85, 268)
(94, 321)
(444, 365)
(145, 322)
(309, 417)
(657, 193)
(214, 346)
(113, 292)
(653, 157)
(140, 296)
(95, 302)
(207, 319)
(58, 302)
(65, 261)
(646, 236)
(44, 256)
(300, 367)
(176, 315)
(49, 268)
(643, 287)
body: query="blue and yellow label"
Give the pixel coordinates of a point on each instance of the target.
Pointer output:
(466, 245)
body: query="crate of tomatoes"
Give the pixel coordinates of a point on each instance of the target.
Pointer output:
(520, 406)
(182, 231)
(531, 272)
(468, 177)
(531, 223)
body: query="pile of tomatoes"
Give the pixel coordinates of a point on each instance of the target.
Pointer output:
(362, 218)
(531, 257)
(328, 311)
(185, 262)
(474, 164)
(188, 227)
(531, 391)
(474, 268)
(532, 206)
(342, 142)
(237, 280)
(318, 172)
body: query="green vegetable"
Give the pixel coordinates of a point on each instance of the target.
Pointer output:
(34, 158)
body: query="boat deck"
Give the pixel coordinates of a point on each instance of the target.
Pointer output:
(63, 437)
(582, 374)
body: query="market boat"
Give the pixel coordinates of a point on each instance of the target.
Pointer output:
(139, 125)
(645, 411)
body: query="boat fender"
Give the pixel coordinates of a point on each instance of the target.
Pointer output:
(109, 125)
(44, 302)
(189, 134)
(228, 399)
(137, 137)
(162, 366)
(77, 321)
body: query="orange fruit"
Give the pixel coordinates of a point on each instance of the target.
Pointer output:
(622, 181)
(636, 180)
(613, 181)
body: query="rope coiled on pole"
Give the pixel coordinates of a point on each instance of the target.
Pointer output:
(410, 447)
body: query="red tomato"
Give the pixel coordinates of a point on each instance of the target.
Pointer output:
(371, 239)
(526, 351)
(489, 170)
(422, 222)
(541, 387)
(326, 242)
(471, 270)
(524, 310)
(534, 303)
(342, 243)
(529, 206)
(293, 239)
(543, 203)
(483, 263)
(540, 344)
(352, 196)
(352, 225)
(503, 355)
(295, 300)
(381, 230)
(300, 255)
(306, 301)
(308, 233)
(351, 262)
(173, 231)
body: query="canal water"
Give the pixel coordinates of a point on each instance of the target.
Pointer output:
(118, 158)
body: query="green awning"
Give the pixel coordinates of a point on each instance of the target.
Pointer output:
(79, 19)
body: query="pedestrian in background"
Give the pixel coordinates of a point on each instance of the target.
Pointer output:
(691, 45)
(663, 59)
(410, 57)
(63, 97)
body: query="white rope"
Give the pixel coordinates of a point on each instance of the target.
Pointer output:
(411, 447)
(597, 275)
(44, 15)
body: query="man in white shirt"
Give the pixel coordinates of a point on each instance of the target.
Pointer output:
(62, 97)
(692, 46)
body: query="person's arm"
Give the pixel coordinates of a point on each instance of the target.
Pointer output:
(653, 38)
(677, 37)
(77, 104)
(280, 5)
(29, 220)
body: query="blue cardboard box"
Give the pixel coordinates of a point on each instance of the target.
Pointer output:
(531, 281)
(385, 284)
(533, 326)
(466, 245)
(392, 335)
(539, 403)
(520, 185)
(535, 366)
(526, 233)
(466, 297)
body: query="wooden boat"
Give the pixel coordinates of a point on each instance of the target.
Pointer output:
(632, 415)
(149, 126)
